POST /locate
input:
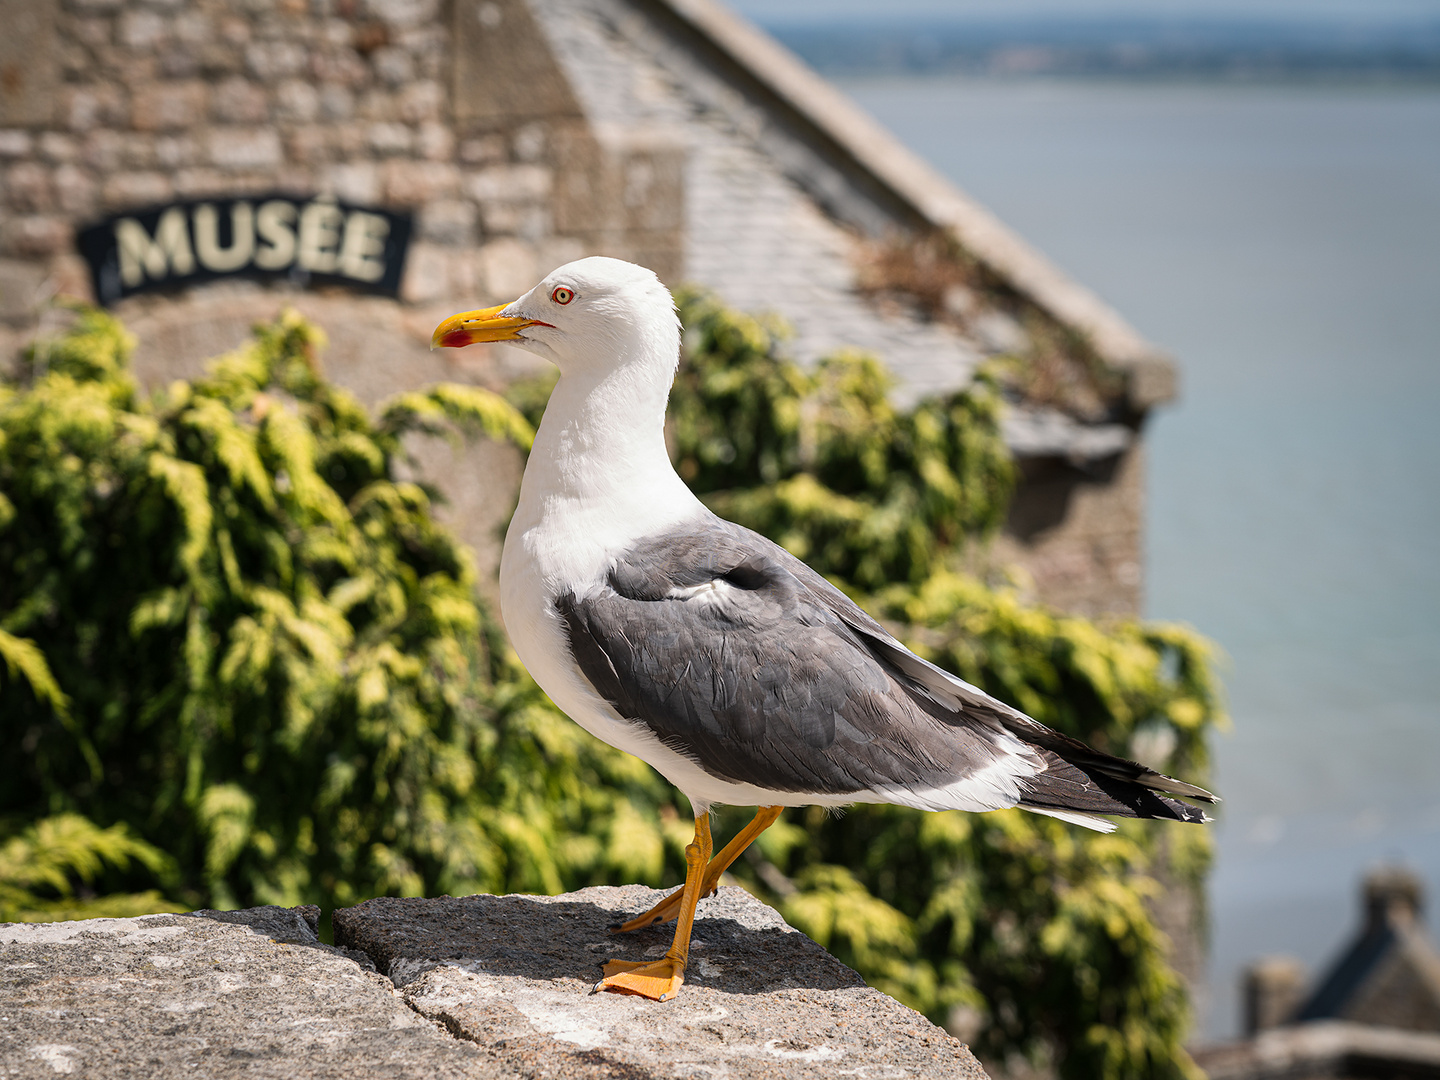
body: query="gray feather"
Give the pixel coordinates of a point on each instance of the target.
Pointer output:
(773, 677)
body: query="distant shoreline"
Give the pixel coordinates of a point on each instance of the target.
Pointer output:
(1142, 49)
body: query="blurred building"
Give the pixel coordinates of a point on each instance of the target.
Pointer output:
(383, 163)
(1374, 1013)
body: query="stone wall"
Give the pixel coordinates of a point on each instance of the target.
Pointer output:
(400, 103)
(1079, 533)
(107, 105)
(520, 134)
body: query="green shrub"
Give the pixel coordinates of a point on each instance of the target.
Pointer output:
(232, 634)
(46, 869)
(227, 625)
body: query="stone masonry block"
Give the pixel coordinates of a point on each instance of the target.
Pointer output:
(168, 105)
(389, 138)
(315, 142)
(28, 186)
(202, 183)
(482, 149)
(76, 192)
(507, 268)
(137, 189)
(421, 101)
(431, 48)
(395, 66)
(35, 235)
(510, 183)
(141, 29)
(339, 66)
(1153, 380)
(410, 183)
(14, 143)
(269, 60)
(192, 27)
(70, 277)
(86, 107)
(449, 221)
(239, 101)
(527, 220)
(102, 150)
(75, 63)
(336, 102)
(245, 148)
(480, 986)
(529, 142)
(427, 274)
(178, 61)
(21, 288)
(434, 142)
(176, 151)
(297, 100)
(57, 147)
(92, 28)
(354, 182)
(401, 14)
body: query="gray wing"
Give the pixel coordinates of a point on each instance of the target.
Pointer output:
(738, 655)
(710, 639)
(1070, 760)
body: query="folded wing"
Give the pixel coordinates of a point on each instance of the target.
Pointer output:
(739, 656)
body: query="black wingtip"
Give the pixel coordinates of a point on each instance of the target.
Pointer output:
(1092, 787)
(1169, 785)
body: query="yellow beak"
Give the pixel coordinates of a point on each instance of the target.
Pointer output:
(471, 327)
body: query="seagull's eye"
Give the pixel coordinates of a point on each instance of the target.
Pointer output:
(562, 295)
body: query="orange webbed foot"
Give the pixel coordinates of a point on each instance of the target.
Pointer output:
(658, 980)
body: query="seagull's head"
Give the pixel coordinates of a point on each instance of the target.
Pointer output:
(593, 314)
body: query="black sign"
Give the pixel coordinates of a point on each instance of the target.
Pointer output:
(317, 241)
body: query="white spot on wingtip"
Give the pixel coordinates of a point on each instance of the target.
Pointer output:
(705, 592)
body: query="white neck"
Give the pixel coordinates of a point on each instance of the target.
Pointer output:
(599, 477)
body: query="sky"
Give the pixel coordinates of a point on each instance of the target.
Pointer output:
(776, 11)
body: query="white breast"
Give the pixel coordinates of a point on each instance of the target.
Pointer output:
(559, 544)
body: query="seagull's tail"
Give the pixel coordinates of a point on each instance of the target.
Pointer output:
(1079, 781)
(1074, 790)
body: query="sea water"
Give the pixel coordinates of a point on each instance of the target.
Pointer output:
(1283, 241)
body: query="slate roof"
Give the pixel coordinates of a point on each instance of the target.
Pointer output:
(789, 185)
(1374, 1013)
(1390, 974)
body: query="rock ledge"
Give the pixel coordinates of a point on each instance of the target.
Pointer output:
(479, 986)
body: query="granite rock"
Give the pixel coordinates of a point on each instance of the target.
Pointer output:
(514, 975)
(166, 996)
(479, 986)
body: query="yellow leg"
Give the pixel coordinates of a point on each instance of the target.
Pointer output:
(662, 979)
(669, 908)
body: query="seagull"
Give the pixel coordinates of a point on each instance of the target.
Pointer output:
(740, 674)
